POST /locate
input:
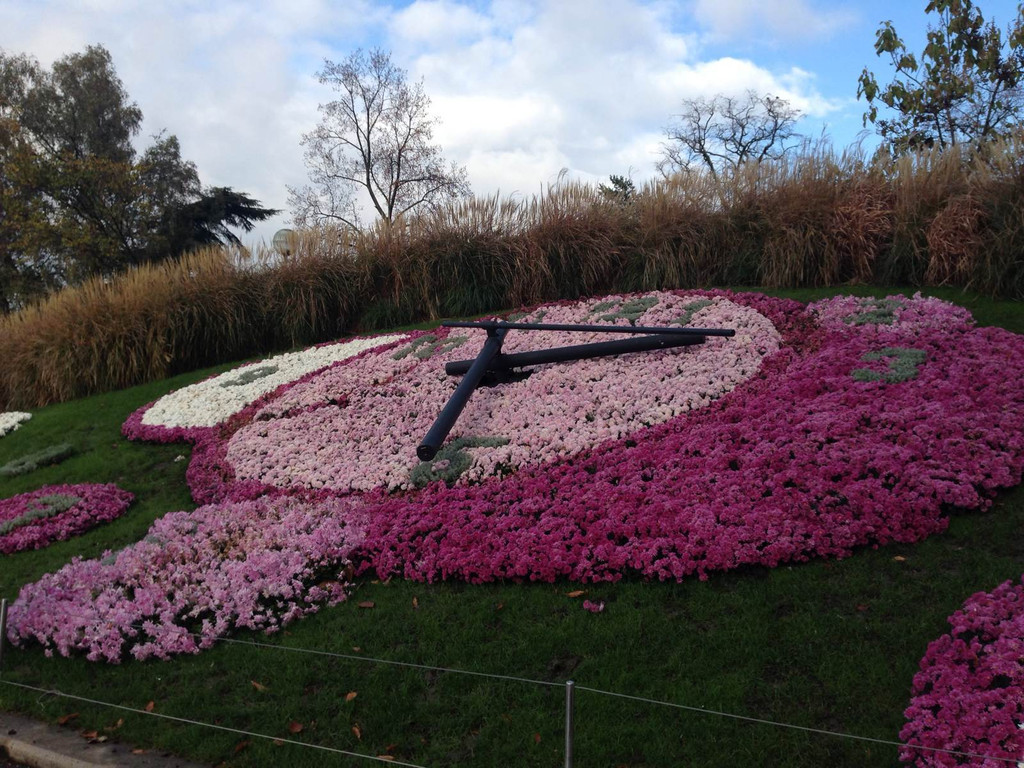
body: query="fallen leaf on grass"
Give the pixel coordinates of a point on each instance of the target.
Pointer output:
(89, 734)
(416, 603)
(241, 745)
(350, 695)
(900, 559)
(258, 686)
(358, 733)
(138, 751)
(357, 649)
(295, 727)
(278, 743)
(115, 726)
(66, 718)
(536, 738)
(576, 593)
(150, 706)
(366, 604)
(385, 757)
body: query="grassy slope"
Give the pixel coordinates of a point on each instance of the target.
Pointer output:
(830, 645)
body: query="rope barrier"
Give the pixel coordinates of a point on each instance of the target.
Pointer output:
(512, 678)
(702, 710)
(778, 724)
(187, 721)
(374, 660)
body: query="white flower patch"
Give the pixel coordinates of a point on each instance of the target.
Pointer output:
(11, 420)
(210, 402)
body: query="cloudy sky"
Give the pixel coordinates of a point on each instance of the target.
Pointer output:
(523, 88)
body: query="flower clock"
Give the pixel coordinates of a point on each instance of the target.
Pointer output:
(57, 512)
(813, 430)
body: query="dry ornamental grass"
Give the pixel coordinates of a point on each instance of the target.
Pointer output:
(817, 218)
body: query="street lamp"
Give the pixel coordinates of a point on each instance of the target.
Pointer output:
(284, 241)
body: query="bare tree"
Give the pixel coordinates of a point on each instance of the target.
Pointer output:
(721, 134)
(374, 139)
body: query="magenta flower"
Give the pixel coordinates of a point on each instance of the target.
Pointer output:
(56, 512)
(969, 694)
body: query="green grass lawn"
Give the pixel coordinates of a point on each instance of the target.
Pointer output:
(830, 644)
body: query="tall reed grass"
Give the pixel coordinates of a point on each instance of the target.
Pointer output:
(816, 218)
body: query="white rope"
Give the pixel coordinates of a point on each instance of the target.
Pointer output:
(331, 654)
(356, 657)
(777, 724)
(54, 692)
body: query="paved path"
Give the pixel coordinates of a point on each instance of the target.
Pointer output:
(41, 745)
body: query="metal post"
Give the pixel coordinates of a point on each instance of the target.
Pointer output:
(569, 698)
(3, 632)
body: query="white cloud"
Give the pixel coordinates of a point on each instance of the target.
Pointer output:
(786, 19)
(223, 78)
(583, 85)
(495, 122)
(438, 22)
(523, 87)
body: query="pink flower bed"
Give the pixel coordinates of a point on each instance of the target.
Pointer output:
(817, 429)
(969, 694)
(56, 512)
(195, 576)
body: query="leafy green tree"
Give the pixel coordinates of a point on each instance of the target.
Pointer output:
(80, 108)
(27, 237)
(77, 199)
(963, 90)
(620, 189)
(74, 125)
(206, 220)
